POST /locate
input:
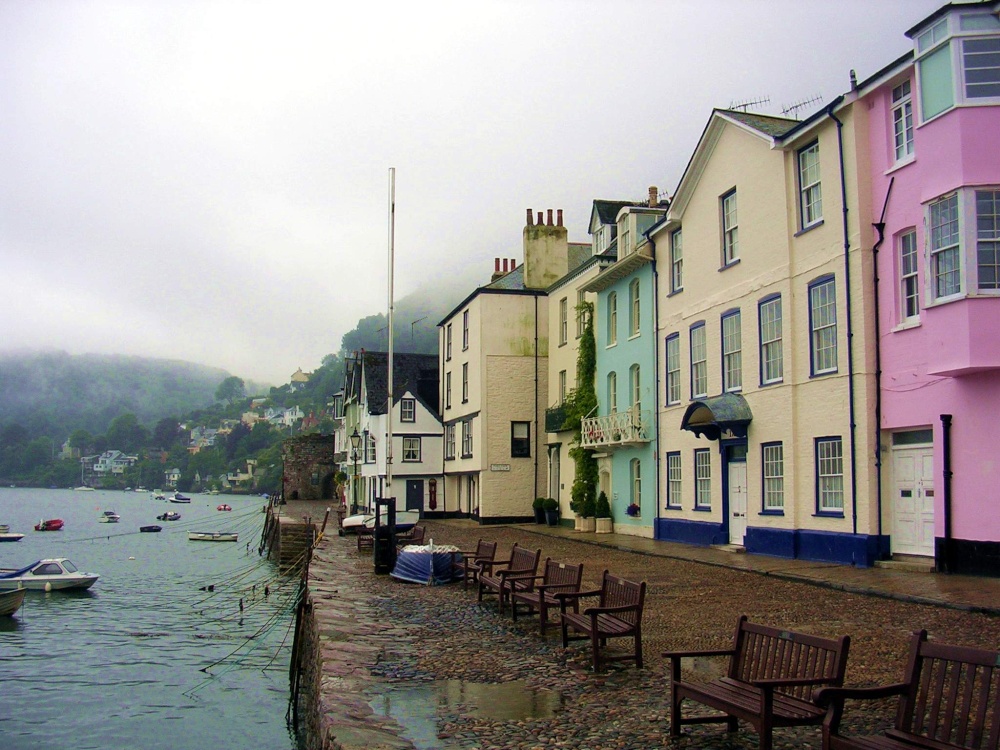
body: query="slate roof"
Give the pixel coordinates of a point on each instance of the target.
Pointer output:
(772, 126)
(577, 254)
(417, 373)
(608, 210)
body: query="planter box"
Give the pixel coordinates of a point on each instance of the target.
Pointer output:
(588, 525)
(578, 523)
(605, 526)
(552, 517)
(539, 516)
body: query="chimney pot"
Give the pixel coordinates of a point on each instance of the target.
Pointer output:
(529, 217)
(513, 264)
(505, 269)
(549, 222)
(559, 218)
(540, 222)
(652, 196)
(496, 265)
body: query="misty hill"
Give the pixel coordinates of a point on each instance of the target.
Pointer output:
(55, 393)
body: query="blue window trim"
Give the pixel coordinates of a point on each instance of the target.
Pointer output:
(816, 510)
(828, 278)
(768, 511)
(691, 330)
(760, 340)
(694, 477)
(671, 505)
(722, 345)
(666, 372)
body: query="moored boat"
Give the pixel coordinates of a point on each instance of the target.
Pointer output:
(47, 575)
(152, 529)
(224, 506)
(84, 488)
(169, 516)
(212, 536)
(179, 498)
(11, 601)
(109, 516)
(405, 520)
(7, 536)
(52, 524)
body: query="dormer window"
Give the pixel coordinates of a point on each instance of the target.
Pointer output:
(625, 246)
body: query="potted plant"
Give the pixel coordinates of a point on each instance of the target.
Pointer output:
(576, 505)
(588, 511)
(604, 523)
(633, 511)
(538, 505)
(551, 511)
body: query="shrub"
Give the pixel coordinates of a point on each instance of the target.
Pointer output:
(603, 506)
(589, 507)
(538, 503)
(550, 504)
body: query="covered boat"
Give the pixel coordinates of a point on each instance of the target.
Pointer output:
(11, 601)
(212, 536)
(53, 524)
(109, 516)
(7, 536)
(47, 575)
(429, 564)
(150, 529)
(179, 498)
(405, 520)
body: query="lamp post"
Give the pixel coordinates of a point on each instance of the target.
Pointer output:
(355, 444)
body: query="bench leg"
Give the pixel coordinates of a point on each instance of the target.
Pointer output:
(638, 648)
(675, 702)
(732, 724)
(595, 645)
(565, 634)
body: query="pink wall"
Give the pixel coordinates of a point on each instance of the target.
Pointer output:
(961, 338)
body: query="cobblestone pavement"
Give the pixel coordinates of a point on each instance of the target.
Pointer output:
(420, 655)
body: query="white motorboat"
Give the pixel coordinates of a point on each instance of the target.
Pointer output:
(7, 536)
(11, 601)
(47, 575)
(405, 520)
(109, 516)
(212, 536)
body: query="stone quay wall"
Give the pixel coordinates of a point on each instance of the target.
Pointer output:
(308, 467)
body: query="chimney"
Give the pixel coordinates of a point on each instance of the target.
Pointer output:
(496, 269)
(546, 251)
(854, 81)
(559, 218)
(653, 199)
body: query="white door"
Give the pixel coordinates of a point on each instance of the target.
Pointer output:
(737, 502)
(913, 501)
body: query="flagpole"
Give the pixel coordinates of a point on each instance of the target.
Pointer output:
(392, 242)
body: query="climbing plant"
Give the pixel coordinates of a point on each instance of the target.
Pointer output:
(580, 404)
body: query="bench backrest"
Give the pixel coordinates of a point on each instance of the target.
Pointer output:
(563, 575)
(485, 550)
(415, 536)
(953, 695)
(769, 653)
(523, 560)
(618, 592)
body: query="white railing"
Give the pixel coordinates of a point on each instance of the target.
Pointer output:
(620, 428)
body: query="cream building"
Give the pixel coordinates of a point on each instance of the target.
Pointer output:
(766, 433)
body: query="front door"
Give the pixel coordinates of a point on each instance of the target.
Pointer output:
(913, 501)
(737, 501)
(415, 494)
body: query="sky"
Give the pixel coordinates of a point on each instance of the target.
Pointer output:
(209, 181)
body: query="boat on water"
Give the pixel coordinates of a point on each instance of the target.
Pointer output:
(405, 520)
(51, 574)
(159, 496)
(212, 536)
(224, 506)
(83, 488)
(179, 498)
(170, 515)
(151, 529)
(52, 524)
(11, 601)
(109, 516)
(7, 536)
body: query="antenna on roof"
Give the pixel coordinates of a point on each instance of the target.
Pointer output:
(744, 105)
(792, 109)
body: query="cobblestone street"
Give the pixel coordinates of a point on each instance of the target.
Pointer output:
(421, 654)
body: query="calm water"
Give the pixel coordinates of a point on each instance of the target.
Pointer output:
(118, 666)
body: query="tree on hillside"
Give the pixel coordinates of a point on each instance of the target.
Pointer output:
(126, 434)
(166, 432)
(231, 390)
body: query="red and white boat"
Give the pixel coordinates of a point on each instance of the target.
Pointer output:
(53, 524)
(224, 507)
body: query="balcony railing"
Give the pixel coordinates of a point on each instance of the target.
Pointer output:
(555, 418)
(621, 428)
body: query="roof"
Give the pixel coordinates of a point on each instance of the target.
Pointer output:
(608, 210)
(716, 415)
(767, 124)
(417, 373)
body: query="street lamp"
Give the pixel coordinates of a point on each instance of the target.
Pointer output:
(355, 445)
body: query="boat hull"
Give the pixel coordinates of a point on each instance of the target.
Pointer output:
(150, 529)
(11, 537)
(212, 536)
(11, 601)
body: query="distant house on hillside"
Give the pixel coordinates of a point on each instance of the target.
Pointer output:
(113, 462)
(298, 379)
(171, 477)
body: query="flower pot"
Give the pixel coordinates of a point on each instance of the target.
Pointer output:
(605, 526)
(539, 515)
(588, 525)
(578, 523)
(552, 517)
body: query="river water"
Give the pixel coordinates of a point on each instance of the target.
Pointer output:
(121, 664)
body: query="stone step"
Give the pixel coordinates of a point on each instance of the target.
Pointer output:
(911, 563)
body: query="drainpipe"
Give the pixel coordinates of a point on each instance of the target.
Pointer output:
(535, 452)
(656, 381)
(946, 563)
(850, 326)
(880, 228)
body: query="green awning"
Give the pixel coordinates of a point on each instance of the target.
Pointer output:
(711, 417)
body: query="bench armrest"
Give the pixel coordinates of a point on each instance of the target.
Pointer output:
(554, 587)
(488, 565)
(689, 654)
(775, 682)
(516, 574)
(826, 696)
(593, 611)
(565, 595)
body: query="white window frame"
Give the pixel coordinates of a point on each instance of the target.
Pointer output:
(730, 229)
(987, 237)
(447, 343)
(703, 479)
(676, 261)
(772, 366)
(944, 229)
(635, 470)
(810, 186)
(635, 388)
(563, 321)
(823, 326)
(624, 238)
(447, 390)
(371, 454)
(466, 438)
(634, 308)
(516, 427)
(902, 121)
(773, 477)
(673, 357)
(407, 410)
(830, 475)
(675, 486)
(465, 382)
(612, 318)
(581, 315)
(449, 442)
(562, 387)
(465, 330)
(411, 450)
(699, 360)
(909, 284)
(732, 352)
(612, 392)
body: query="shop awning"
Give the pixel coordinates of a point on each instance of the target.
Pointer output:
(713, 417)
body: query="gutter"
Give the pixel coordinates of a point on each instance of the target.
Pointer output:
(880, 228)
(946, 563)
(534, 452)
(656, 379)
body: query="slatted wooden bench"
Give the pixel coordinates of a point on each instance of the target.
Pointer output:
(413, 536)
(769, 683)
(538, 593)
(366, 538)
(493, 576)
(948, 699)
(466, 564)
(618, 614)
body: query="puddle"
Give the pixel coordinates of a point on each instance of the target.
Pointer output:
(416, 707)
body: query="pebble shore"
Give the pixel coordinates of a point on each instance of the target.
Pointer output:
(407, 666)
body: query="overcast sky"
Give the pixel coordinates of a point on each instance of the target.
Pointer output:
(208, 181)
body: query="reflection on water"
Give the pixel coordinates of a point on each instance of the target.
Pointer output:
(416, 708)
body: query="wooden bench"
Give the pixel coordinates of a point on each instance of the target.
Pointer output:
(948, 699)
(413, 536)
(618, 614)
(769, 683)
(467, 567)
(494, 575)
(366, 538)
(538, 593)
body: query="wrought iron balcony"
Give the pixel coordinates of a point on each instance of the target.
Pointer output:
(623, 428)
(555, 418)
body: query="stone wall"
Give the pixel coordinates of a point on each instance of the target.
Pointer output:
(309, 468)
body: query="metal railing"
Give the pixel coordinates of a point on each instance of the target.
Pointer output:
(620, 428)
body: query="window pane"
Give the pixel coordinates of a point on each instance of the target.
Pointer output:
(945, 260)
(910, 291)
(823, 316)
(988, 238)
(676, 261)
(809, 186)
(699, 363)
(936, 91)
(673, 369)
(830, 474)
(732, 354)
(703, 479)
(770, 341)
(674, 480)
(730, 229)
(774, 477)
(981, 60)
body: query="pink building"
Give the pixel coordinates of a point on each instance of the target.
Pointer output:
(934, 140)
